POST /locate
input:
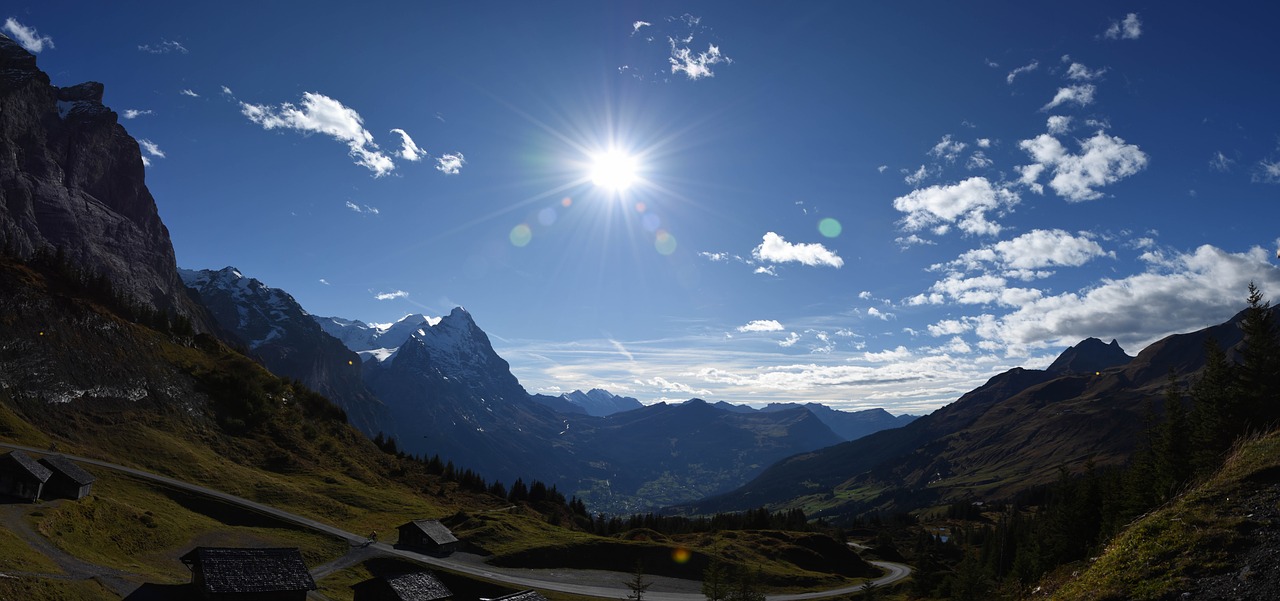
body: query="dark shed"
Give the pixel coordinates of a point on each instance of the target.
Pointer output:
(21, 476)
(250, 574)
(429, 535)
(413, 586)
(68, 481)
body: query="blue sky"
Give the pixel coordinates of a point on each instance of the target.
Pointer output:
(864, 204)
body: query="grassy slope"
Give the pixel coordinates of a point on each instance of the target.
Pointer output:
(249, 434)
(1190, 537)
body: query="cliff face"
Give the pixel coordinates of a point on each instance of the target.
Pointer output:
(71, 180)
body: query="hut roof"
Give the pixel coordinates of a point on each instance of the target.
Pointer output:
(25, 461)
(418, 586)
(437, 532)
(529, 595)
(238, 570)
(66, 467)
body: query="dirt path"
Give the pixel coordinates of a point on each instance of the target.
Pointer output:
(14, 518)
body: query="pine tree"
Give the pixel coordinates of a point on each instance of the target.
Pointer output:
(715, 582)
(637, 584)
(1174, 441)
(1260, 362)
(1214, 412)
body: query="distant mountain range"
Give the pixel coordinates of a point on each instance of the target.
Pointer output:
(1009, 434)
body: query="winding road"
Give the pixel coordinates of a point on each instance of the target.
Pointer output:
(896, 571)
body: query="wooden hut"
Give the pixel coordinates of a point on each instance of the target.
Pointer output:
(69, 481)
(412, 586)
(21, 476)
(429, 536)
(249, 574)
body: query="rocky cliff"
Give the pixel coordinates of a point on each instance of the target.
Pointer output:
(71, 183)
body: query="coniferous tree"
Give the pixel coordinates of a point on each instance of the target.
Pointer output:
(715, 582)
(1174, 440)
(637, 584)
(1215, 417)
(1260, 362)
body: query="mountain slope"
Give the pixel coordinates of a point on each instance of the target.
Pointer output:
(850, 425)
(286, 339)
(1010, 433)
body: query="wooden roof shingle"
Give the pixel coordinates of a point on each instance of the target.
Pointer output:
(25, 461)
(437, 532)
(66, 467)
(244, 570)
(418, 586)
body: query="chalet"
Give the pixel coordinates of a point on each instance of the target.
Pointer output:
(21, 476)
(413, 586)
(429, 536)
(529, 595)
(249, 574)
(69, 481)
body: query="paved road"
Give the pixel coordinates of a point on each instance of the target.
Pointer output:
(896, 571)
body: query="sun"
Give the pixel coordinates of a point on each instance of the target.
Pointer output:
(614, 170)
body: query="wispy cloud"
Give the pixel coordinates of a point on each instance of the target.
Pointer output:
(135, 113)
(321, 114)
(1267, 172)
(164, 47)
(947, 149)
(1080, 72)
(188, 92)
(27, 37)
(695, 65)
(450, 163)
(391, 295)
(1079, 95)
(1036, 250)
(1128, 29)
(362, 208)
(636, 26)
(1220, 162)
(151, 150)
(1058, 124)
(775, 249)
(1027, 68)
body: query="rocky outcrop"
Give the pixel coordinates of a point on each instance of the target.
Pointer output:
(72, 182)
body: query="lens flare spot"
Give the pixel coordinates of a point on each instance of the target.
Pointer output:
(830, 227)
(566, 201)
(640, 207)
(547, 216)
(681, 555)
(521, 235)
(665, 242)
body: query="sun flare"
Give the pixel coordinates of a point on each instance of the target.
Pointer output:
(614, 170)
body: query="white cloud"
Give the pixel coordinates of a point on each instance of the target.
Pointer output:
(27, 37)
(716, 257)
(791, 340)
(1220, 162)
(882, 168)
(666, 385)
(1103, 160)
(881, 315)
(695, 66)
(949, 327)
(322, 114)
(151, 148)
(947, 149)
(1080, 72)
(135, 113)
(1080, 95)
(979, 160)
(761, 325)
(1037, 249)
(1058, 124)
(1268, 172)
(1181, 293)
(164, 47)
(408, 150)
(894, 355)
(188, 92)
(919, 175)
(1027, 68)
(912, 240)
(362, 209)
(964, 204)
(391, 295)
(635, 27)
(983, 142)
(775, 249)
(450, 163)
(324, 281)
(766, 270)
(865, 295)
(227, 91)
(1128, 29)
